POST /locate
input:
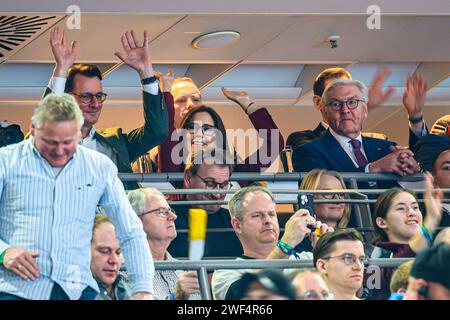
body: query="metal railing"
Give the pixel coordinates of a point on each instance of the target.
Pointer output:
(271, 177)
(202, 267)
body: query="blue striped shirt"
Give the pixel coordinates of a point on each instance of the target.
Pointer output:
(53, 215)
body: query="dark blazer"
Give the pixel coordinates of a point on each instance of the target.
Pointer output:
(130, 146)
(299, 138)
(413, 139)
(327, 153)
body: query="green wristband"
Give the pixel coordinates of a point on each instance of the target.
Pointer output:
(2, 256)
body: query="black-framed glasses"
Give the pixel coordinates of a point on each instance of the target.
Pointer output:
(337, 105)
(163, 212)
(207, 129)
(213, 184)
(350, 259)
(314, 295)
(87, 97)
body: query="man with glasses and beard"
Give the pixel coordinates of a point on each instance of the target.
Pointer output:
(207, 169)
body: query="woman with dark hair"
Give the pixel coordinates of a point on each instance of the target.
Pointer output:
(203, 126)
(400, 226)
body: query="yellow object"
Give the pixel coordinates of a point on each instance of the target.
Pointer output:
(198, 219)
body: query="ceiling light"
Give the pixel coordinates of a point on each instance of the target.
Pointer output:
(215, 40)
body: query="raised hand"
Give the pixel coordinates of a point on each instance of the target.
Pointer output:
(376, 94)
(136, 56)
(296, 227)
(64, 55)
(240, 97)
(415, 94)
(165, 80)
(433, 203)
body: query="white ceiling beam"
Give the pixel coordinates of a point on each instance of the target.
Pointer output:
(205, 74)
(434, 72)
(308, 75)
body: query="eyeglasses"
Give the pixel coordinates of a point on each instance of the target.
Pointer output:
(88, 97)
(330, 196)
(212, 184)
(207, 129)
(163, 212)
(314, 295)
(337, 105)
(350, 259)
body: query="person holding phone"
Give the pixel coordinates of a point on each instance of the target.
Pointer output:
(335, 215)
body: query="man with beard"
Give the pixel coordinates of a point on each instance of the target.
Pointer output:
(207, 169)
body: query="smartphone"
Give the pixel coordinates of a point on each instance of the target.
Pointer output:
(306, 201)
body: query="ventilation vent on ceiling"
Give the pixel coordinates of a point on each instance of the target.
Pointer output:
(18, 30)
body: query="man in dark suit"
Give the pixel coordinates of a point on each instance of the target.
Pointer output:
(413, 101)
(299, 138)
(83, 81)
(343, 148)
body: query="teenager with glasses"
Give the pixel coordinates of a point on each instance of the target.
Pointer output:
(158, 220)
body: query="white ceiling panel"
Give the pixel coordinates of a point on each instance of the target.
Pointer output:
(99, 36)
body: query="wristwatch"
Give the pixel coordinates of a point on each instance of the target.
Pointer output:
(416, 119)
(149, 80)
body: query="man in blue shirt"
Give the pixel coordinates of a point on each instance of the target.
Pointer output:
(49, 189)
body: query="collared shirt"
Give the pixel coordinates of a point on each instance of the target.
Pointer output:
(165, 282)
(57, 84)
(53, 215)
(93, 144)
(120, 288)
(345, 144)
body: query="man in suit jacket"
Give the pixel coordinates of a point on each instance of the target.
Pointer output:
(83, 81)
(343, 148)
(413, 101)
(299, 138)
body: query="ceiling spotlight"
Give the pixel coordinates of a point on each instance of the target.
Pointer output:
(215, 40)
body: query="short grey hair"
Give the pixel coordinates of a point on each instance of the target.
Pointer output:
(137, 198)
(344, 82)
(236, 203)
(57, 107)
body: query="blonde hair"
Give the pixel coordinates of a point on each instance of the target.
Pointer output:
(311, 182)
(57, 107)
(183, 79)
